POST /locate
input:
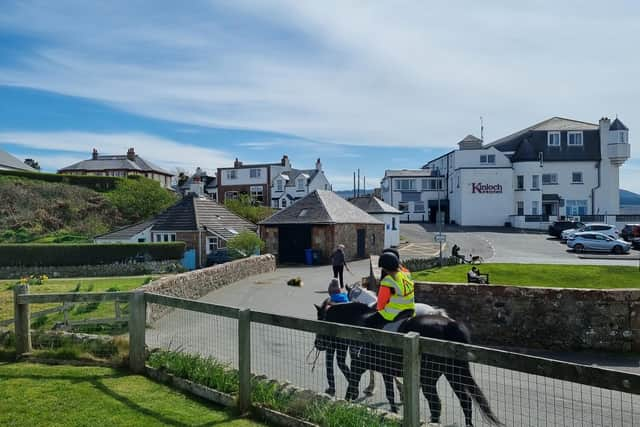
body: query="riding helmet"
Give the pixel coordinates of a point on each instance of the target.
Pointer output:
(389, 261)
(393, 251)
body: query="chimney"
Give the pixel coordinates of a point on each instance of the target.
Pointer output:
(237, 163)
(131, 154)
(605, 123)
(318, 164)
(94, 154)
(285, 161)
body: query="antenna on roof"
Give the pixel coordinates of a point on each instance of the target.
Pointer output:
(481, 129)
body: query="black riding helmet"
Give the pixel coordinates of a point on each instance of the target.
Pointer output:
(392, 251)
(389, 261)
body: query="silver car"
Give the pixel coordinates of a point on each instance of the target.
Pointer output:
(609, 230)
(591, 241)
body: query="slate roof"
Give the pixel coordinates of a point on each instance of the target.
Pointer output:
(7, 161)
(127, 232)
(618, 125)
(471, 138)
(372, 205)
(116, 162)
(410, 173)
(292, 175)
(528, 143)
(321, 207)
(192, 213)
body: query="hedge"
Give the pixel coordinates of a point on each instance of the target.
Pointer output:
(93, 182)
(87, 254)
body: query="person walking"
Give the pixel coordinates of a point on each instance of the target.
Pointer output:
(339, 263)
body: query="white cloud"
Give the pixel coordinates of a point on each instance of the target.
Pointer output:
(77, 146)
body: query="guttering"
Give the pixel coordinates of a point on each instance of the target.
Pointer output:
(593, 190)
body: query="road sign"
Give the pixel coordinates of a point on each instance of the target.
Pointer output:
(440, 238)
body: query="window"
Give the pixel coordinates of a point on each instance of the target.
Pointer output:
(300, 185)
(520, 208)
(534, 207)
(231, 174)
(553, 139)
(254, 173)
(279, 185)
(576, 207)
(230, 195)
(418, 206)
(535, 182)
(520, 182)
(405, 184)
(621, 138)
(549, 178)
(574, 138)
(212, 244)
(283, 203)
(158, 237)
(491, 158)
(256, 192)
(576, 178)
(141, 240)
(483, 159)
(165, 237)
(403, 206)
(393, 223)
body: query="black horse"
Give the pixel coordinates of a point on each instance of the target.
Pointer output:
(388, 361)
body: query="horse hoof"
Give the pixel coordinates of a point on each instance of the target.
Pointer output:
(394, 409)
(330, 391)
(369, 392)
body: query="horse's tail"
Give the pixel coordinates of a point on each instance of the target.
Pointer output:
(476, 394)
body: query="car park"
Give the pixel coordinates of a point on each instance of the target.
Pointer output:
(558, 227)
(597, 242)
(609, 230)
(630, 231)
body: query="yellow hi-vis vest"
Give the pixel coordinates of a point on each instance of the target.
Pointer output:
(402, 295)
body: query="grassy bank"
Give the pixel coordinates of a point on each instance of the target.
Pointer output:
(80, 311)
(37, 395)
(561, 276)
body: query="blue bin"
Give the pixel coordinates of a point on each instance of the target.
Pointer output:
(308, 256)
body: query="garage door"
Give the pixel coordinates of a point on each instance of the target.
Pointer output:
(292, 241)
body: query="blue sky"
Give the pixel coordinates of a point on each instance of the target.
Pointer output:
(369, 85)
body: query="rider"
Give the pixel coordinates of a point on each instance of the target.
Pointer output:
(404, 269)
(396, 293)
(336, 296)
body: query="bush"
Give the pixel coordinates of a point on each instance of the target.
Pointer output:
(248, 209)
(87, 254)
(419, 264)
(97, 183)
(245, 243)
(139, 199)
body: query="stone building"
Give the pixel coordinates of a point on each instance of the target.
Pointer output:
(321, 221)
(385, 213)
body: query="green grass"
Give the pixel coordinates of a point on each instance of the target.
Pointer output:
(35, 395)
(80, 311)
(561, 276)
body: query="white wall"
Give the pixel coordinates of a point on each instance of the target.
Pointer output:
(485, 209)
(243, 177)
(391, 236)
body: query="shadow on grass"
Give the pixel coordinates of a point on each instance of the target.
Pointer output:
(97, 382)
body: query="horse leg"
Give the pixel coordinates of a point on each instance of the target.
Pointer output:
(328, 363)
(390, 392)
(357, 369)
(457, 383)
(430, 392)
(371, 388)
(400, 387)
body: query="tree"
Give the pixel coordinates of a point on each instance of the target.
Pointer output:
(246, 243)
(140, 198)
(34, 164)
(248, 208)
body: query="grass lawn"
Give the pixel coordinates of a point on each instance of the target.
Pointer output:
(80, 311)
(561, 276)
(39, 395)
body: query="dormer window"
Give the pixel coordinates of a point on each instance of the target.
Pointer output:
(279, 185)
(574, 138)
(553, 139)
(301, 185)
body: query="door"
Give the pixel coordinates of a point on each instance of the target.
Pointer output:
(292, 241)
(189, 259)
(362, 234)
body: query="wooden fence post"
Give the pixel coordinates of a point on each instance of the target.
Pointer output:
(244, 360)
(411, 376)
(137, 326)
(22, 320)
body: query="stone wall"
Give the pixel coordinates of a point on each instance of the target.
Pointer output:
(544, 318)
(118, 269)
(196, 284)
(347, 234)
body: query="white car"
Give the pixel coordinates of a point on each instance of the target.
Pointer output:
(609, 230)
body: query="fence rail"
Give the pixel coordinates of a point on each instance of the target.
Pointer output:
(405, 357)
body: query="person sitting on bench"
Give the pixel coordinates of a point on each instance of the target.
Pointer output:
(455, 252)
(474, 276)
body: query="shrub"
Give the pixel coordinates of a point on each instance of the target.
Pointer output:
(139, 199)
(245, 243)
(87, 254)
(248, 209)
(97, 183)
(419, 264)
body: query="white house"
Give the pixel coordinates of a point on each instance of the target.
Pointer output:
(414, 193)
(555, 168)
(383, 212)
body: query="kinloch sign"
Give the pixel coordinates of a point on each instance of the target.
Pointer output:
(479, 187)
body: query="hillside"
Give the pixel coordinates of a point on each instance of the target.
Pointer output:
(47, 212)
(629, 198)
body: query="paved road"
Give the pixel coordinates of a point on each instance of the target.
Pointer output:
(508, 245)
(280, 353)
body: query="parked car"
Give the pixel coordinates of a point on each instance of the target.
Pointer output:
(609, 230)
(635, 243)
(599, 242)
(220, 256)
(558, 227)
(630, 231)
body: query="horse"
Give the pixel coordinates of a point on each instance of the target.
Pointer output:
(367, 357)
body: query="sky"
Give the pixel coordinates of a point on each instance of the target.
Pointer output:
(373, 85)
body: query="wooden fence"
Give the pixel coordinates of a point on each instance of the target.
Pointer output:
(411, 345)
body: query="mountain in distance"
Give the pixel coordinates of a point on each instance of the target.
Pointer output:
(346, 194)
(629, 198)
